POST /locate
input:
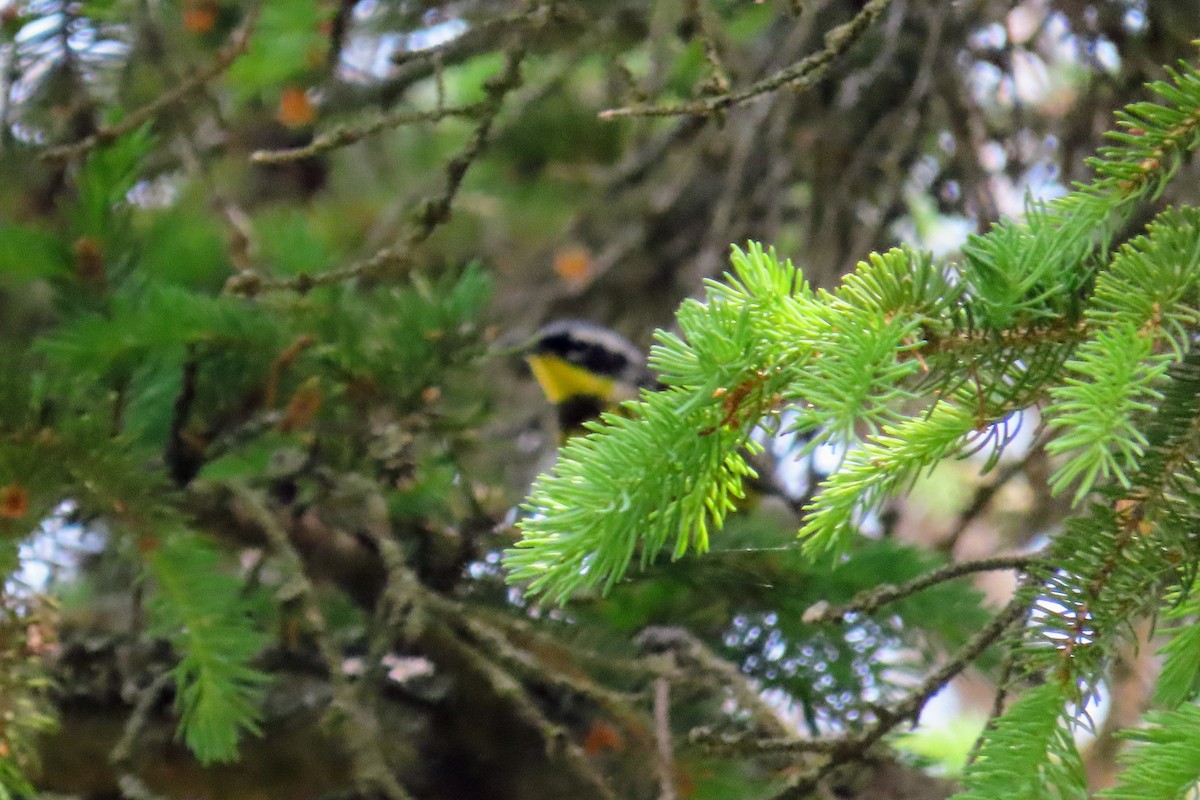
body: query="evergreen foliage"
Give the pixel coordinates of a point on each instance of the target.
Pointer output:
(1039, 759)
(1165, 763)
(200, 610)
(263, 426)
(154, 340)
(926, 362)
(24, 708)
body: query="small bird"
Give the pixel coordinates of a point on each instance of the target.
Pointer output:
(584, 369)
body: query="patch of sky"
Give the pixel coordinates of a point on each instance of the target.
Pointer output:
(368, 57)
(53, 552)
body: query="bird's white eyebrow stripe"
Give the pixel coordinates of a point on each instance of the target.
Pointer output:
(589, 346)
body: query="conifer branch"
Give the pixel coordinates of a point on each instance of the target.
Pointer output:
(356, 720)
(344, 136)
(1112, 565)
(122, 756)
(1029, 752)
(521, 629)
(689, 651)
(800, 75)
(875, 598)
(558, 743)
(534, 15)
(989, 335)
(433, 212)
(197, 607)
(840, 750)
(1164, 764)
(525, 662)
(1177, 682)
(932, 361)
(238, 42)
(181, 461)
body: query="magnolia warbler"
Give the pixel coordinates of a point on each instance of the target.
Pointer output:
(584, 369)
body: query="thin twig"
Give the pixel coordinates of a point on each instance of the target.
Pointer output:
(400, 612)
(341, 137)
(998, 700)
(852, 86)
(238, 43)
(980, 501)
(121, 757)
(434, 211)
(1008, 665)
(1057, 331)
(628, 667)
(523, 661)
(480, 30)
(357, 721)
(800, 75)
(662, 733)
(878, 596)
(698, 10)
(339, 26)
(558, 742)
(746, 744)
(849, 748)
(714, 250)
(840, 750)
(899, 127)
(971, 131)
(402, 604)
(685, 644)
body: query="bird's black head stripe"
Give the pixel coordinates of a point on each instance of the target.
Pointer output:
(596, 349)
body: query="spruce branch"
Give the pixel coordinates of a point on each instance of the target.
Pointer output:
(699, 479)
(180, 459)
(1029, 752)
(932, 363)
(965, 346)
(1164, 763)
(1112, 565)
(199, 609)
(1177, 683)
(1144, 305)
(889, 462)
(26, 714)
